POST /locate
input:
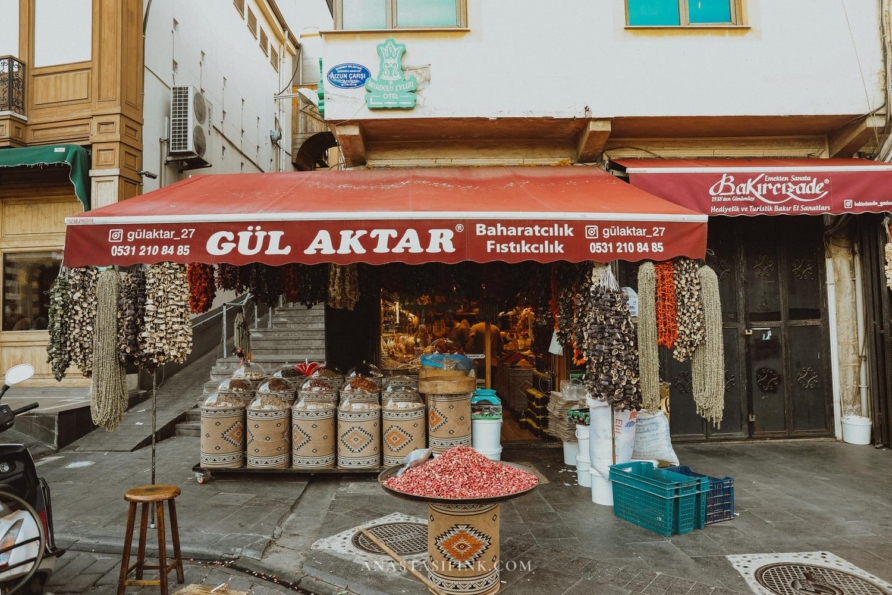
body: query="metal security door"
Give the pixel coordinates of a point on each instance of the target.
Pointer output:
(773, 302)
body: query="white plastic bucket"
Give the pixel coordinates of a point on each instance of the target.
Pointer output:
(583, 463)
(856, 429)
(493, 454)
(571, 449)
(486, 434)
(602, 490)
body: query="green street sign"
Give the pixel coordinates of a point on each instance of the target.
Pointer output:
(391, 89)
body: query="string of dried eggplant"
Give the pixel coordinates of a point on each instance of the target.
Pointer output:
(202, 289)
(108, 386)
(227, 276)
(81, 303)
(167, 336)
(689, 304)
(58, 355)
(580, 315)
(131, 318)
(611, 344)
(708, 362)
(648, 349)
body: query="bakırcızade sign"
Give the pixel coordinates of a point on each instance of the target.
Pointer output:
(348, 76)
(392, 89)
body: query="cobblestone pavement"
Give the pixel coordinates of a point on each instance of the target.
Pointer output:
(92, 574)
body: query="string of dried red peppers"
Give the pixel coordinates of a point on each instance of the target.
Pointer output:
(202, 289)
(667, 315)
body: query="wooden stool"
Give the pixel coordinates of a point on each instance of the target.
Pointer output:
(148, 495)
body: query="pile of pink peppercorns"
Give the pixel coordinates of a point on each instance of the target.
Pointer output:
(461, 473)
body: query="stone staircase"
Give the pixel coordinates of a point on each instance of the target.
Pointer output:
(297, 335)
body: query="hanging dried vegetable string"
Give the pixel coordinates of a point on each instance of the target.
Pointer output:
(241, 335)
(108, 386)
(264, 282)
(312, 284)
(708, 362)
(131, 318)
(202, 289)
(343, 286)
(888, 252)
(611, 345)
(689, 306)
(290, 285)
(82, 317)
(667, 315)
(168, 331)
(57, 350)
(648, 349)
(580, 316)
(553, 302)
(227, 276)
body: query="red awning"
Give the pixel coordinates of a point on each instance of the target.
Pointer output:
(541, 214)
(767, 186)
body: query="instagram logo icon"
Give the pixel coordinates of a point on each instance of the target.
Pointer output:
(115, 235)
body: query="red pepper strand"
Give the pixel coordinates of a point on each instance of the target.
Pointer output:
(667, 318)
(202, 290)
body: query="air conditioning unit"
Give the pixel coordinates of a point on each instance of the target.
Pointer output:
(190, 127)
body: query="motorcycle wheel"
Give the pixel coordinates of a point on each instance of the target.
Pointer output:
(16, 585)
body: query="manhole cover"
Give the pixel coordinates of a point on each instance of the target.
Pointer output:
(405, 539)
(795, 579)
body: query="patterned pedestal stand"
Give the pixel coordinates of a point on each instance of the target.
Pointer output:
(462, 540)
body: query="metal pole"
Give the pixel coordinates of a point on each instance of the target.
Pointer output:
(255, 314)
(154, 417)
(487, 342)
(269, 317)
(224, 330)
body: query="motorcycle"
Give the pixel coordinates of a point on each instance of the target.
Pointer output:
(28, 552)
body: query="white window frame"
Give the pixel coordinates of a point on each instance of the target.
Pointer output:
(461, 17)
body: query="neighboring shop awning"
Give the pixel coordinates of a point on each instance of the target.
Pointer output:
(448, 215)
(766, 186)
(72, 155)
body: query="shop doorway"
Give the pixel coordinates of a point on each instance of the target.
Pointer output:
(777, 375)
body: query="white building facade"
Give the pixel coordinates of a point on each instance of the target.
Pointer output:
(519, 82)
(239, 55)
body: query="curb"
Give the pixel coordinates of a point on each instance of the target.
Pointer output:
(116, 547)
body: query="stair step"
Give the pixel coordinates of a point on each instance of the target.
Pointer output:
(292, 325)
(288, 333)
(189, 428)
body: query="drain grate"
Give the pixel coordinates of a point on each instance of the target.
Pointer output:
(796, 579)
(405, 539)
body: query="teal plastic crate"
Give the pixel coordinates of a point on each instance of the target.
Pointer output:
(718, 505)
(658, 500)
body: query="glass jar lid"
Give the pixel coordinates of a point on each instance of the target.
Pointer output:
(222, 401)
(236, 386)
(313, 404)
(268, 402)
(361, 384)
(351, 404)
(317, 385)
(251, 371)
(290, 373)
(365, 370)
(276, 385)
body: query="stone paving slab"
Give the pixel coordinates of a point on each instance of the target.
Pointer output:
(176, 395)
(229, 517)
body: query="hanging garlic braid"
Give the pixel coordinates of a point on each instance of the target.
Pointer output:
(648, 350)
(708, 361)
(109, 380)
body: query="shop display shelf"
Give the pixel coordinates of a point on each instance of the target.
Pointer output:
(661, 501)
(203, 474)
(718, 505)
